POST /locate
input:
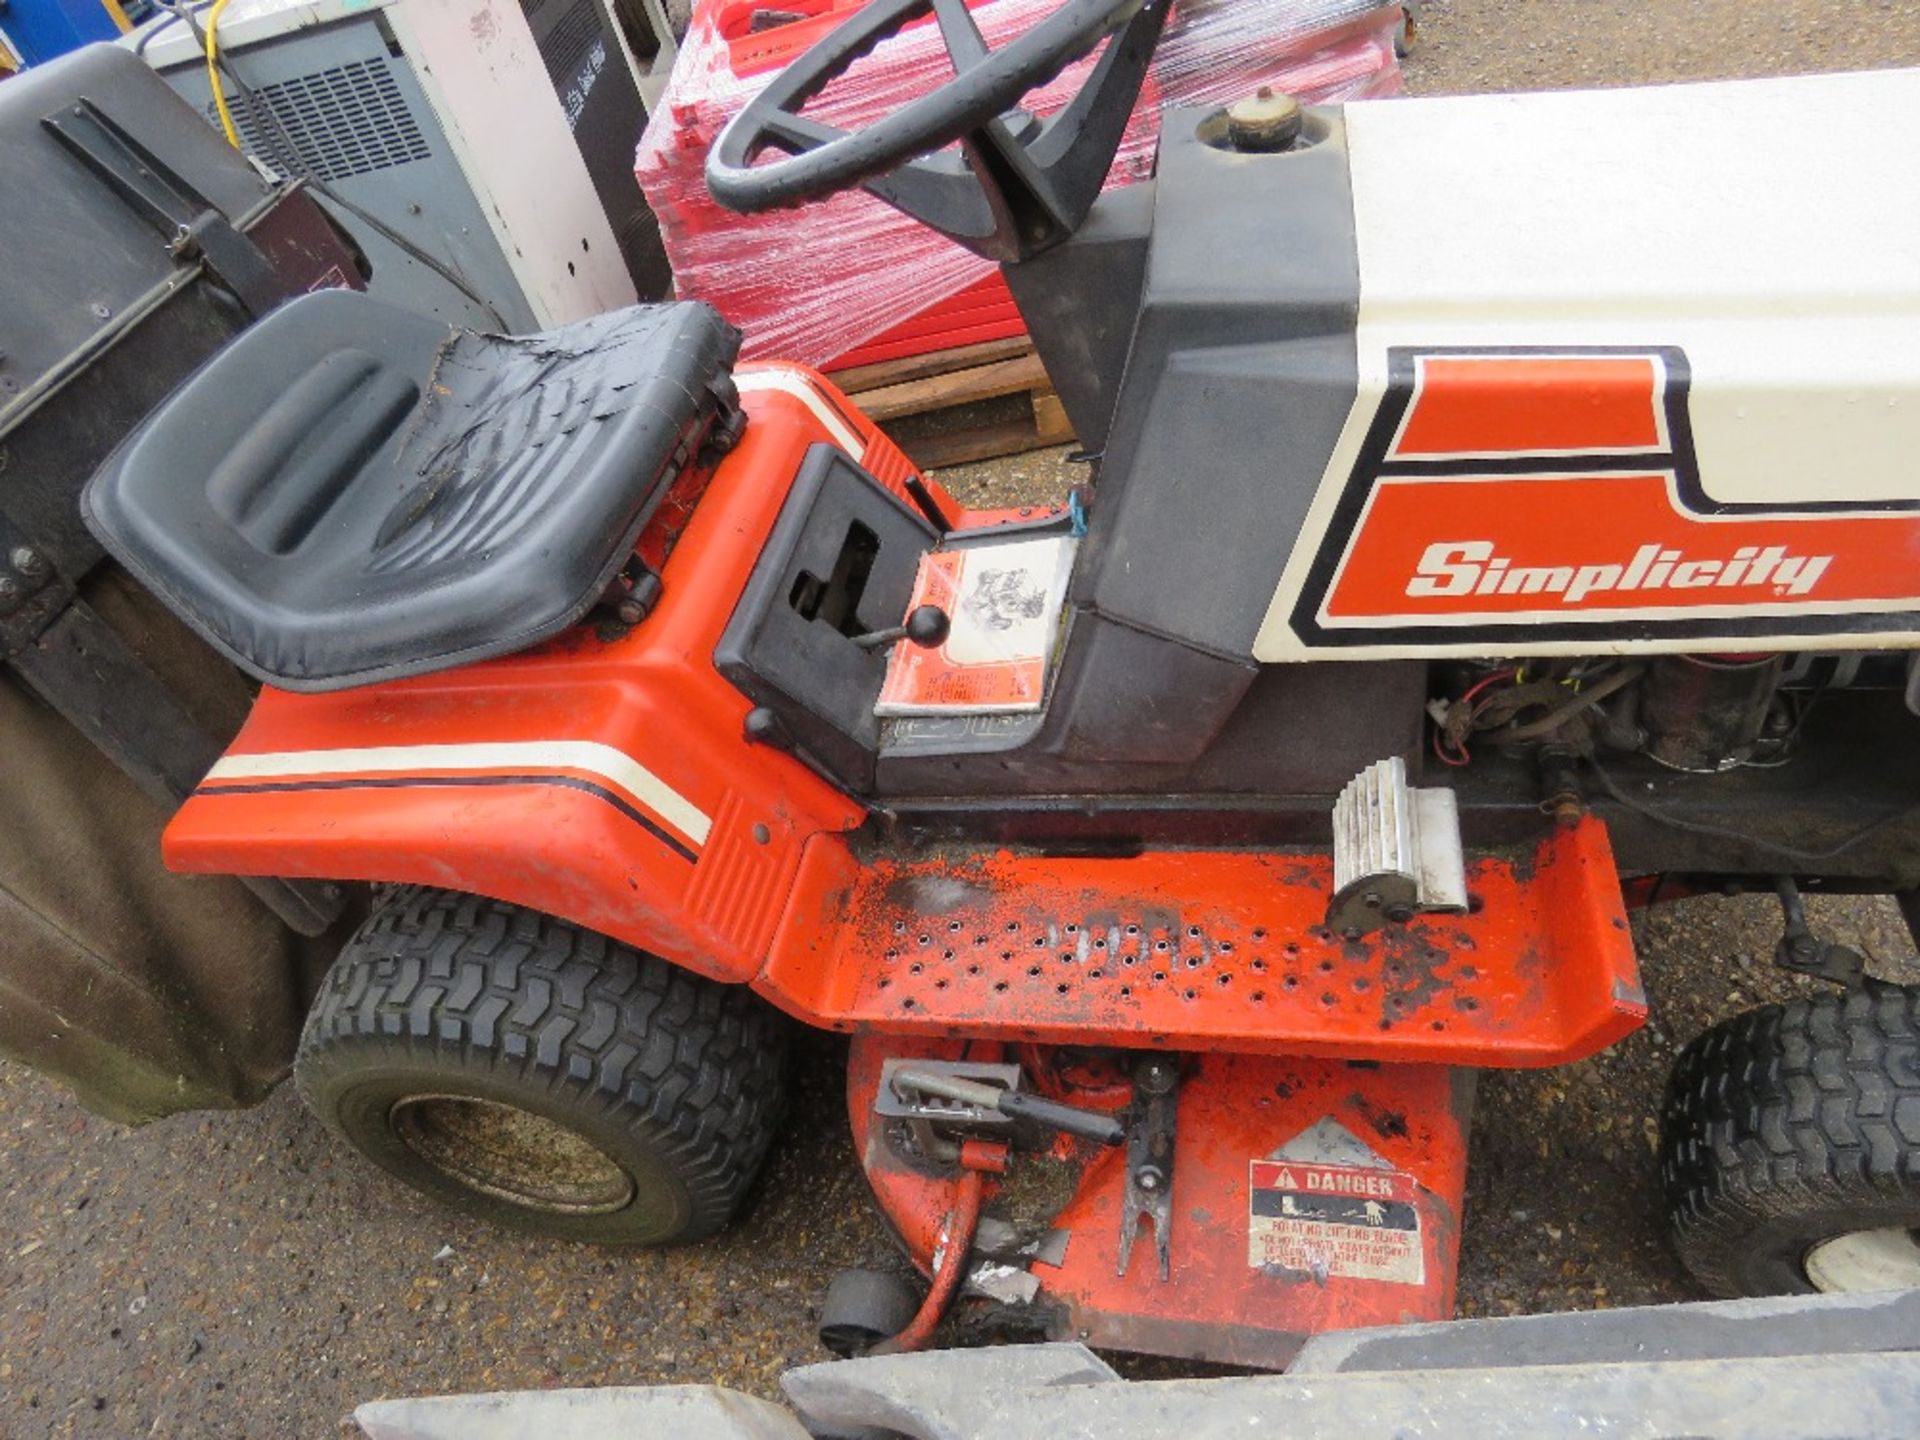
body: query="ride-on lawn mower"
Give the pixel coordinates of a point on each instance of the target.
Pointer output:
(1503, 513)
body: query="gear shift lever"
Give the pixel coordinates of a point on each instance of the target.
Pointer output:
(927, 626)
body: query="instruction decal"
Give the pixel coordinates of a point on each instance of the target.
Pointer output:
(1357, 1222)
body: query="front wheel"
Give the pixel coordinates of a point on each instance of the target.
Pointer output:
(1790, 1146)
(540, 1075)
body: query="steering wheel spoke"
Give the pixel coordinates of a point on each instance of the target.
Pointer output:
(1022, 197)
(797, 135)
(966, 46)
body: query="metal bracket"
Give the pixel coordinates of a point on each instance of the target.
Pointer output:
(1396, 851)
(32, 591)
(928, 1104)
(935, 1120)
(189, 223)
(1805, 953)
(1150, 1137)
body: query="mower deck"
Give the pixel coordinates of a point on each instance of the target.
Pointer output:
(1218, 951)
(1272, 1236)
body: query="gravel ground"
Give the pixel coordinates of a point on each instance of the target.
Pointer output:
(240, 1275)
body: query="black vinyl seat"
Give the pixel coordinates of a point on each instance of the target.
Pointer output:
(351, 493)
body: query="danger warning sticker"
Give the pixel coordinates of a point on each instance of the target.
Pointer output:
(1346, 1220)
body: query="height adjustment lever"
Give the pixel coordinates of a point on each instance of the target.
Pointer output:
(1013, 1104)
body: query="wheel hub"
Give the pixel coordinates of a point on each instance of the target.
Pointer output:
(511, 1154)
(1866, 1260)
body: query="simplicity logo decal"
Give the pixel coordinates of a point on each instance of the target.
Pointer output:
(1519, 494)
(1472, 567)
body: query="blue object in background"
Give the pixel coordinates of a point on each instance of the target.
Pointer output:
(38, 30)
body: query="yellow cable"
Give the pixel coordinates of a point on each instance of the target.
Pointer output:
(213, 74)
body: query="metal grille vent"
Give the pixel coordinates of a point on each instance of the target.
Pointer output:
(343, 121)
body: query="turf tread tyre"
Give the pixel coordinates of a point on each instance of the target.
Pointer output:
(1790, 1124)
(452, 993)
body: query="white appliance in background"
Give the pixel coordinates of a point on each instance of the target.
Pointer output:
(495, 136)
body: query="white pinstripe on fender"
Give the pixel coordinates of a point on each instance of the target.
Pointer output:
(589, 756)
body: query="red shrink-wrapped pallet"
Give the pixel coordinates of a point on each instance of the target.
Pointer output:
(849, 280)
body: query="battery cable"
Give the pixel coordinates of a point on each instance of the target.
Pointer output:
(213, 74)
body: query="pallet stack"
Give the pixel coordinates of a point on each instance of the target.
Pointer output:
(952, 407)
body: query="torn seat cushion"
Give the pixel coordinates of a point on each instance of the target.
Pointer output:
(350, 493)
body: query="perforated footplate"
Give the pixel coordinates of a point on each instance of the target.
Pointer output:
(1179, 948)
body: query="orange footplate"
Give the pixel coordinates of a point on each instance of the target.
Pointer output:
(1211, 950)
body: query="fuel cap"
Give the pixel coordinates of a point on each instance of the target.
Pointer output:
(1264, 122)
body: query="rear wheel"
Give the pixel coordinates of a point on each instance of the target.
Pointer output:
(1790, 1146)
(540, 1075)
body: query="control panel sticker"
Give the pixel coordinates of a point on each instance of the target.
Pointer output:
(1349, 1221)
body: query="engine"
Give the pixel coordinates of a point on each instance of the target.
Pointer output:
(1702, 714)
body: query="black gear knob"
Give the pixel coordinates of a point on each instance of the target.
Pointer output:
(927, 626)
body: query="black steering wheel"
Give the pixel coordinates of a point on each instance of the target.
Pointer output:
(1016, 187)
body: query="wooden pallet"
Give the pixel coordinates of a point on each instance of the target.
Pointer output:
(952, 407)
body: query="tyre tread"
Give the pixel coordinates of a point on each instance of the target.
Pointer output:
(695, 1066)
(1788, 1110)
